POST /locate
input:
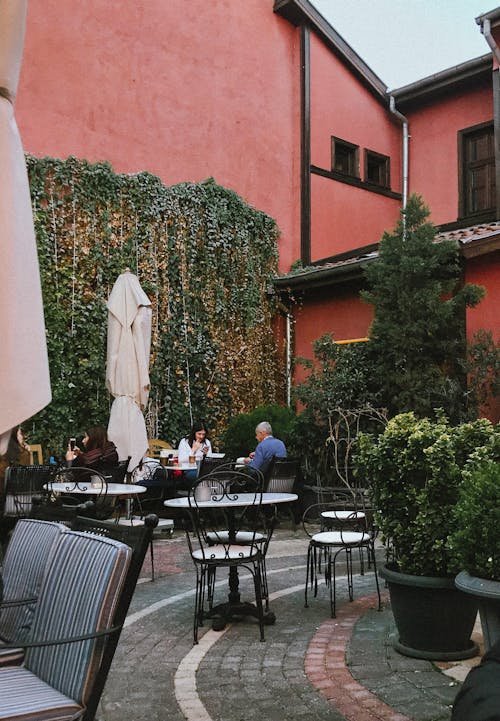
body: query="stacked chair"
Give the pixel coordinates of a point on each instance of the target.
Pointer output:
(340, 526)
(79, 612)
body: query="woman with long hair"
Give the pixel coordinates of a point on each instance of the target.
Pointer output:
(100, 452)
(195, 444)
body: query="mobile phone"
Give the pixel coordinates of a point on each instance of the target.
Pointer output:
(72, 443)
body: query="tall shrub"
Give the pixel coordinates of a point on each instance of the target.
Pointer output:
(417, 337)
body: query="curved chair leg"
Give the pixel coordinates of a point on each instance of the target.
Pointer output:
(258, 598)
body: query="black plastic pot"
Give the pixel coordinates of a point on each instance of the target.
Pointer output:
(434, 620)
(487, 595)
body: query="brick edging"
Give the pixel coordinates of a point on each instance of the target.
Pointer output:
(325, 667)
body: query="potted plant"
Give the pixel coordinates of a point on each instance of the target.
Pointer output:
(414, 468)
(475, 542)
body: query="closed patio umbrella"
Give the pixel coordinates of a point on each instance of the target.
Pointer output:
(127, 367)
(24, 368)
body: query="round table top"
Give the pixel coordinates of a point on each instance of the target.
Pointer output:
(182, 467)
(239, 500)
(112, 489)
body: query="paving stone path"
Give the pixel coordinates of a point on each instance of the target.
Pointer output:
(309, 667)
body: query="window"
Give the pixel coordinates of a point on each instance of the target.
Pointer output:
(345, 157)
(477, 169)
(377, 169)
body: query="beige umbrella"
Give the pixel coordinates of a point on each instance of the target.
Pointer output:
(24, 368)
(127, 367)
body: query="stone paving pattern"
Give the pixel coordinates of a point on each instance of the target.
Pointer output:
(309, 667)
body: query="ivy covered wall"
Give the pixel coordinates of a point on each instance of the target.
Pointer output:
(205, 259)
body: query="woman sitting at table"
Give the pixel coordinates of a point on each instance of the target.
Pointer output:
(196, 444)
(100, 453)
(17, 454)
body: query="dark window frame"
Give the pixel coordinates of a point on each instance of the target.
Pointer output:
(352, 152)
(465, 168)
(383, 163)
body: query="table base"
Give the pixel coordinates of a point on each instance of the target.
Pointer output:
(223, 613)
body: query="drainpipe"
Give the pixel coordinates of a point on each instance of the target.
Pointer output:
(485, 27)
(288, 334)
(404, 122)
(486, 30)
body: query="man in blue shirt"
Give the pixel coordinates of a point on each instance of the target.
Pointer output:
(268, 447)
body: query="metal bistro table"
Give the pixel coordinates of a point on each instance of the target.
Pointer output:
(222, 613)
(81, 488)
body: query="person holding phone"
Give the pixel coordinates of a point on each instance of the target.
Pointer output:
(99, 452)
(196, 444)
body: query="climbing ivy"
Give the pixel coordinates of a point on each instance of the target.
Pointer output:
(204, 257)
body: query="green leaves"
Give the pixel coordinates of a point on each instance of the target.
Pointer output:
(417, 467)
(205, 259)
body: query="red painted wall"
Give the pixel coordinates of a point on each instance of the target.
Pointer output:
(347, 318)
(344, 217)
(185, 90)
(434, 150)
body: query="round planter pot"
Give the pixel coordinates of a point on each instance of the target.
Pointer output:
(434, 620)
(487, 595)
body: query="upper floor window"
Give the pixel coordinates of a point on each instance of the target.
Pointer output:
(345, 157)
(377, 169)
(476, 150)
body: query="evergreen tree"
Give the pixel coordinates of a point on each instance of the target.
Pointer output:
(418, 332)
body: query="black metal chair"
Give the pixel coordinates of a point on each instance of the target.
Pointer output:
(21, 484)
(209, 464)
(78, 484)
(215, 541)
(155, 478)
(346, 530)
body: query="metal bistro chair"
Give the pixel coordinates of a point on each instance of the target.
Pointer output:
(212, 542)
(21, 484)
(347, 533)
(22, 572)
(77, 481)
(159, 486)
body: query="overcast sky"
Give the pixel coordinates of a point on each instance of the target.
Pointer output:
(407, 40)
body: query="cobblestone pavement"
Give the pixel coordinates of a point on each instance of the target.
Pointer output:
(310, 666)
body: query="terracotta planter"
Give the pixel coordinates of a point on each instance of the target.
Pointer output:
(434, 620)
(487, 595)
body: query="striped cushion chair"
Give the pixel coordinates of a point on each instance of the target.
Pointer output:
(78, 601)
(23, 568)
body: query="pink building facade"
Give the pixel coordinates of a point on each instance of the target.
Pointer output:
(269, 100)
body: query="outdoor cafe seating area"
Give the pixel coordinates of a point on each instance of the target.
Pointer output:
(75, 542)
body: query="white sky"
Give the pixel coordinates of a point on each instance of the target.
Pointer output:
(407, 40)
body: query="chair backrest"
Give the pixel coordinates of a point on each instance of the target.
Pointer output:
(210, 464)
(21, 484)
(155, 446)
(80, 594)
(283, 476)
(36, 449)
(23, 568)
(77, 481)
(218, 522)
(117, 472)
(138, 538)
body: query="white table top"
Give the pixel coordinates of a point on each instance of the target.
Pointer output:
(182, 467)
(241, 499)
(112, 489)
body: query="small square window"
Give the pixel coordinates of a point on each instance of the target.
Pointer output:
(377, 169)
(345, 157)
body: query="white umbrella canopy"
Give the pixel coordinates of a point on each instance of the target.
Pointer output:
(24, 368)
(127, 366)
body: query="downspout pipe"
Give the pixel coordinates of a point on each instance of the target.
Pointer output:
(486, 30)
(404, 123)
